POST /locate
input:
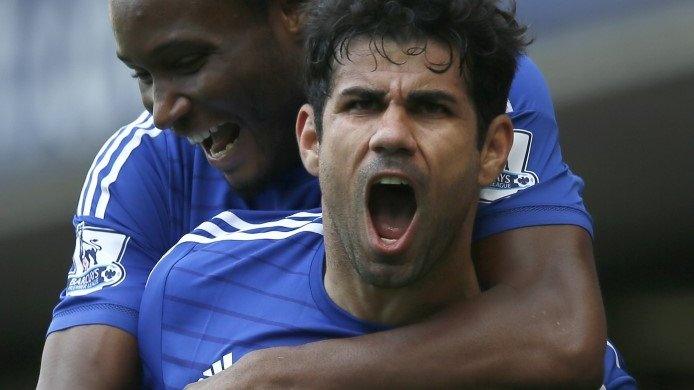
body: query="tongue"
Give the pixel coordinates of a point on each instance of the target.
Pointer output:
(224, 135)
(392, 208)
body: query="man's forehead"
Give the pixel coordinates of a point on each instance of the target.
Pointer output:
(143, 25)
(409, 64)
(213, 11)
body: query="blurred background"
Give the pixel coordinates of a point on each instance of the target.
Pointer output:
(622, 76)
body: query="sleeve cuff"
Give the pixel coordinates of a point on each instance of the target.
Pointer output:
(120, 317)
(489, 224)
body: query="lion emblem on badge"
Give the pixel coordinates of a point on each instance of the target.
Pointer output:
(96, 260)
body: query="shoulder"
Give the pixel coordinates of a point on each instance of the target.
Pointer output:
(136, 161)
(255, 225)
(225, 285)
(529, 90)
(128, 138)
(137, 139)
(244, 234)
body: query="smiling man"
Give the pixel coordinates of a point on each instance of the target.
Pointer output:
(224, 74)
(405, 126)
(237, 111)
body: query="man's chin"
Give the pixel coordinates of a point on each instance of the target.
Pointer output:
(245, 184)
(388, 275)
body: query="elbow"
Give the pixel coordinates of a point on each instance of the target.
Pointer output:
(573, 346)
(583, 362)
(577, 359)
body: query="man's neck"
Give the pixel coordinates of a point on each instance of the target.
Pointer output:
(451, 279)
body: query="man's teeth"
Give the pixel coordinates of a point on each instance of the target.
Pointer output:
(222, 152)
(393, 181)
(201, 136)
(388, 240)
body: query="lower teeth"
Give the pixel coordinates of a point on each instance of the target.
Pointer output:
(388, 240)
(222, 152)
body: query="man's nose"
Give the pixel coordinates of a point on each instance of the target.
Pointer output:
(168, 105)
(394, 134)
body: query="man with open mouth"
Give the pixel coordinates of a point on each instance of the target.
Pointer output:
(405, 125)
(224, 76)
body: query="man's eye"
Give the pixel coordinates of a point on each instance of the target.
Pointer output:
(142, 76)
(432, 109)
(362, 105)
(190, 63)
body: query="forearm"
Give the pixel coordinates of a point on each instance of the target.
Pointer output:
(89, 357)
(492, 341)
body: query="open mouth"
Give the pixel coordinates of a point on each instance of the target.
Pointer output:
(221, 140)
(392, 205)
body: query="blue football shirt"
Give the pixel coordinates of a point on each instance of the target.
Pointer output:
(147, 188)
(244, 281)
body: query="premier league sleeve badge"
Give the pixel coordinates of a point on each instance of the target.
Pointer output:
(96, 260)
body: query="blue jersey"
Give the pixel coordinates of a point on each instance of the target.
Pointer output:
(246, 281)
(147, 188)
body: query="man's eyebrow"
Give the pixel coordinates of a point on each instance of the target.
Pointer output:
(432, 96)
(363, 92)
(174, 44)
(181, 44)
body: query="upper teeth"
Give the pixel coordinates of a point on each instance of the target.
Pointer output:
(393, 181)
(201, 136)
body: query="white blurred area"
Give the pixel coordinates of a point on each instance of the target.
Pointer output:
(643, 45)
(622, 76)
(62, 92)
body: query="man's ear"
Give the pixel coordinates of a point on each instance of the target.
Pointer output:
(495, 150)
(308, 139)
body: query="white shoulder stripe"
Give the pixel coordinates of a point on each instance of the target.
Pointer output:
(616, 356)
(306, 214)
(86, 184)
(242, 235)
(85, 204)
(89, 196)
(117, 165)
(104, 149)
(238, 223)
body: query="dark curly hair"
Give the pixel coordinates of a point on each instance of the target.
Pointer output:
(487, 38)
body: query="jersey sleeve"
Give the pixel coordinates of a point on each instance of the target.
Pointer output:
(536, 187)
(615, 375)
(122, 227)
